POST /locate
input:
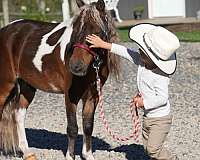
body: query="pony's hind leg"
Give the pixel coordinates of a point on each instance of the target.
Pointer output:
(26, 96)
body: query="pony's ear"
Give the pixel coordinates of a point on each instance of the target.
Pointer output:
(80, 3)
(100, 5)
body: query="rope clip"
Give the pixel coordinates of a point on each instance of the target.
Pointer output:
(97, 63)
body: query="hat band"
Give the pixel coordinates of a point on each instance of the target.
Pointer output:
(150, 50)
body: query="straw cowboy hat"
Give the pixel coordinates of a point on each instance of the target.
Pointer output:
(158, 43)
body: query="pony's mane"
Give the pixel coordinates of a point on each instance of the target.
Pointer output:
(114, 63)
(113, 60)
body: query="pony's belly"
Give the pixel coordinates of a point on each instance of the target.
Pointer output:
(48, 84)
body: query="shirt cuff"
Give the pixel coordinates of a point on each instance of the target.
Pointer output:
(114, 48)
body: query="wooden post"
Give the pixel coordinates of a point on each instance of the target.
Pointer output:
(73, 7)
(5, 12)
(41, 6)
(65, 10)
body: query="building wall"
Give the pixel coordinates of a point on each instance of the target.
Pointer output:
(125, 8)
(192, 6)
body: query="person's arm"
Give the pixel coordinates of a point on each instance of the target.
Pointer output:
(130, 54)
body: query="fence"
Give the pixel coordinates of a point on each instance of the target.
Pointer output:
(44, 10)
(50, 17)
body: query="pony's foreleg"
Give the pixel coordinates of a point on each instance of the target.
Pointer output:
(89, 106)
(72, 129)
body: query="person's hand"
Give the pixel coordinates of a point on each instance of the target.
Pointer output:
(138, 101)
(94, 40)
(97, 42)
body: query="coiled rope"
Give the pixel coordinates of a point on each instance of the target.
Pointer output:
(135, 133)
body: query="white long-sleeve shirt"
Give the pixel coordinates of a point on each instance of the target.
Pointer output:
(152, 84)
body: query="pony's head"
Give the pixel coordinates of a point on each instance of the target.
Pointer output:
(91, 19)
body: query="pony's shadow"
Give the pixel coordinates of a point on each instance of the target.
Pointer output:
(44, 139)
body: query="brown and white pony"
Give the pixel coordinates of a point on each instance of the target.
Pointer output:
(53, 58)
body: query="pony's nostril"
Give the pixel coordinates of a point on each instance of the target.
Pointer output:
(78, 68)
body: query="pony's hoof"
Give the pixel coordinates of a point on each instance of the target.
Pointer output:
(30, 156)
(88, 157)
(68, 157)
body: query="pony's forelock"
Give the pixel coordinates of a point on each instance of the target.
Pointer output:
(89, 11)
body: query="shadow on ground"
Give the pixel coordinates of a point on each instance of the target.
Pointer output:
(44, 139)
(132, 152)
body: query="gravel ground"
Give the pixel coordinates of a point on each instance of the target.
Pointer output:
(46, 120)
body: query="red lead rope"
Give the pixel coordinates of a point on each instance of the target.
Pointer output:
(135, 118)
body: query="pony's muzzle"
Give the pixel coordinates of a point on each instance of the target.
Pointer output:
(78, 68)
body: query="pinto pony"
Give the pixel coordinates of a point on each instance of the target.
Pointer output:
(54, 58)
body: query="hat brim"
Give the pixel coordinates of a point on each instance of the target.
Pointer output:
(136, 34)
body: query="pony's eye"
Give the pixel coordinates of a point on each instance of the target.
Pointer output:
(98, 33)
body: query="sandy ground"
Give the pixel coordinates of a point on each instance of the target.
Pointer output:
(46, 120)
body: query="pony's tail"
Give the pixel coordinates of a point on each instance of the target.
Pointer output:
(8, 124)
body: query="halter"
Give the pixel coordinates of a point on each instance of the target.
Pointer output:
(97, 61)
(82, 46)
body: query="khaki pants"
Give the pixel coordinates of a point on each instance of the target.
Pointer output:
(154, 133)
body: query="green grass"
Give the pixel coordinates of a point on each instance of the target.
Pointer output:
(123, 34)
(183, 36)
(189, 36)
